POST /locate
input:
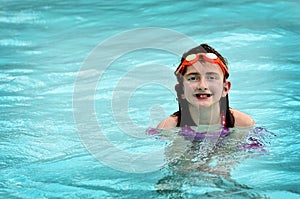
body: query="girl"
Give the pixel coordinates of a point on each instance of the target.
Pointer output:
(202, 92)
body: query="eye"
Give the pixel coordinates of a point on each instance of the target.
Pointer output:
(212, 77)
(192, 78)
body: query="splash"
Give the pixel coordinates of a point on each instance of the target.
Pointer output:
(257, 140)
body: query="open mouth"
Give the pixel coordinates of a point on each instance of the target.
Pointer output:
(202, 96)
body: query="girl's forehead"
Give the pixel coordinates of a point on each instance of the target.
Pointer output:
(204, 67)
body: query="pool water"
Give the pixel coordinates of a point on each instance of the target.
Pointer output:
(81, 81)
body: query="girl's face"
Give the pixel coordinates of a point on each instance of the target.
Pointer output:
(204, 84)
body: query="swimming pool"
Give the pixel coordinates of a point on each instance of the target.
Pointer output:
(49, 141)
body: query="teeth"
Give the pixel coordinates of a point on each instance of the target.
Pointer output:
(203, 95)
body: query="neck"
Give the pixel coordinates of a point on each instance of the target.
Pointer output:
(205, 115)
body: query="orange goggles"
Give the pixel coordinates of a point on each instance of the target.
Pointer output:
(209, 57)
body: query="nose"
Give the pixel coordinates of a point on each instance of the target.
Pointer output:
(202, 85)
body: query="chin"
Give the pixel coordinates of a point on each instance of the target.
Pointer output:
(202, 104)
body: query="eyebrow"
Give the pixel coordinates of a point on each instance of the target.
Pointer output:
(192, 73)
(212, 73)
(208, 73)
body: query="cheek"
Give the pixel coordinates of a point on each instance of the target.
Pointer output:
(217, 87)
(189, 87)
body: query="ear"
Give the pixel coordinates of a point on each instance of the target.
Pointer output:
(179, 91)
(226, 88)
(182, 96)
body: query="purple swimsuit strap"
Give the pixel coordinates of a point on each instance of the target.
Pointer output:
(193, 135)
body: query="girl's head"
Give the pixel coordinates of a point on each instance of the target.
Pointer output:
(202, 82)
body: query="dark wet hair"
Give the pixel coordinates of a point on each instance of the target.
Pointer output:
(183, 104)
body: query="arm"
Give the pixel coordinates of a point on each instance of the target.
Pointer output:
(169, 122)
(242, 119)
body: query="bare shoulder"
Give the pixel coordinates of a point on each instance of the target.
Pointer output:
(169, 122)
(242, 119)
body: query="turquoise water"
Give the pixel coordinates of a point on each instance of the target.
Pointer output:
(48, 47)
